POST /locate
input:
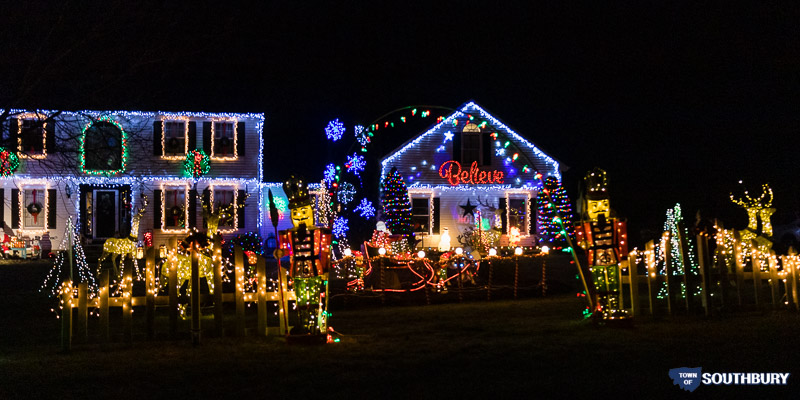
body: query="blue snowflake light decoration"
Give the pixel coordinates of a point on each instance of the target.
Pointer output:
(346, 193)
(366, 209)
(330, 173)
(355, 164)
(340, 227)
(335, 130)
(361, 135)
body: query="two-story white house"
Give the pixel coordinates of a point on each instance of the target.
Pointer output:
(96, 166)
(470, 169)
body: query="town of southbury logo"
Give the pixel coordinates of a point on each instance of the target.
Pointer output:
(687, 378)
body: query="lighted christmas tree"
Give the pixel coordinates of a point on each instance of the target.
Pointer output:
(396, 203)
(553, 204)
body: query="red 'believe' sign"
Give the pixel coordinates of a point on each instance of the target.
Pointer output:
(474, 176)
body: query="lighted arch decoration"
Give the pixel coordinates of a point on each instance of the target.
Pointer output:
(104, 121)
(9, 162)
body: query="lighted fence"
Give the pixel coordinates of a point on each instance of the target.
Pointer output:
(736, 276)
(123, 298)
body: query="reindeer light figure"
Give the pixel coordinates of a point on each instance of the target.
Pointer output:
(757, 209)
(184, 259)
(123, 247)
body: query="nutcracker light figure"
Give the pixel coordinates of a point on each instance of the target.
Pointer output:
(308, 248)
(604, 237)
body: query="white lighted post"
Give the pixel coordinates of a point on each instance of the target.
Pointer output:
(492, 255)
(517, 253)
(381, 254)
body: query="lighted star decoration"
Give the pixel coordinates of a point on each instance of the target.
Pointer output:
(335, 130)
(330, 173)
(340, 227)
(448, 136)
(366, 209)
(500, 152)
(346, 193)
(468, 209)
(355, 164)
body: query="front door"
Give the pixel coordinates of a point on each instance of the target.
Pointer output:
(105, 215)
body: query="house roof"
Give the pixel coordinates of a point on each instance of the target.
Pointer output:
(471, 108)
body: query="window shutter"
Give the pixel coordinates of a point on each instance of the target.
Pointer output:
(192, 208)
(158, 138)
(2, 208)
(486, 148)
(13, 133)
(502, 204)
(436, 215)
(15, 208)
(457, 146)
(50, 136)
(240, 203)
(157, 209)
(240, 135)
(192, 135)
(207, 137)
(207, 202)
(240, 138)
(51, 208)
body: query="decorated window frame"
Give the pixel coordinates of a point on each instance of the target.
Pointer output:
(174, 187)
(123, 144)
(174, 119)
(422, 194)
(526, 224)
(234, 145)
(26, 228)
(235, 199)
(35, 118)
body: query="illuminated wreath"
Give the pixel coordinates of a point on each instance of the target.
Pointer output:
(9, 162)
(34, 208)
(196, 164)
(174, 211)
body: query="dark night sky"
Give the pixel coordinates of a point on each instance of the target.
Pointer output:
(676, 101)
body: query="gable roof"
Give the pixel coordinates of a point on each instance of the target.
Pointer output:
(545, 164)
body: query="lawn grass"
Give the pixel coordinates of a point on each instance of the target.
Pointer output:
(531, 348)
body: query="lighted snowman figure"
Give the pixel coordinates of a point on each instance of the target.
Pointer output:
(444, 241)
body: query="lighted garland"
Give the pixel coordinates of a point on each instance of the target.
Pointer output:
(9, 162)
(196, 164)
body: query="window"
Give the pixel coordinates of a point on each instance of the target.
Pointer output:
(517, 214)
(470, 145)
(173, 216)
(103, 148)
(224, 141)
(174, 138)
(31, 139)
(420, 215)
(224, 197)
(34, 204)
